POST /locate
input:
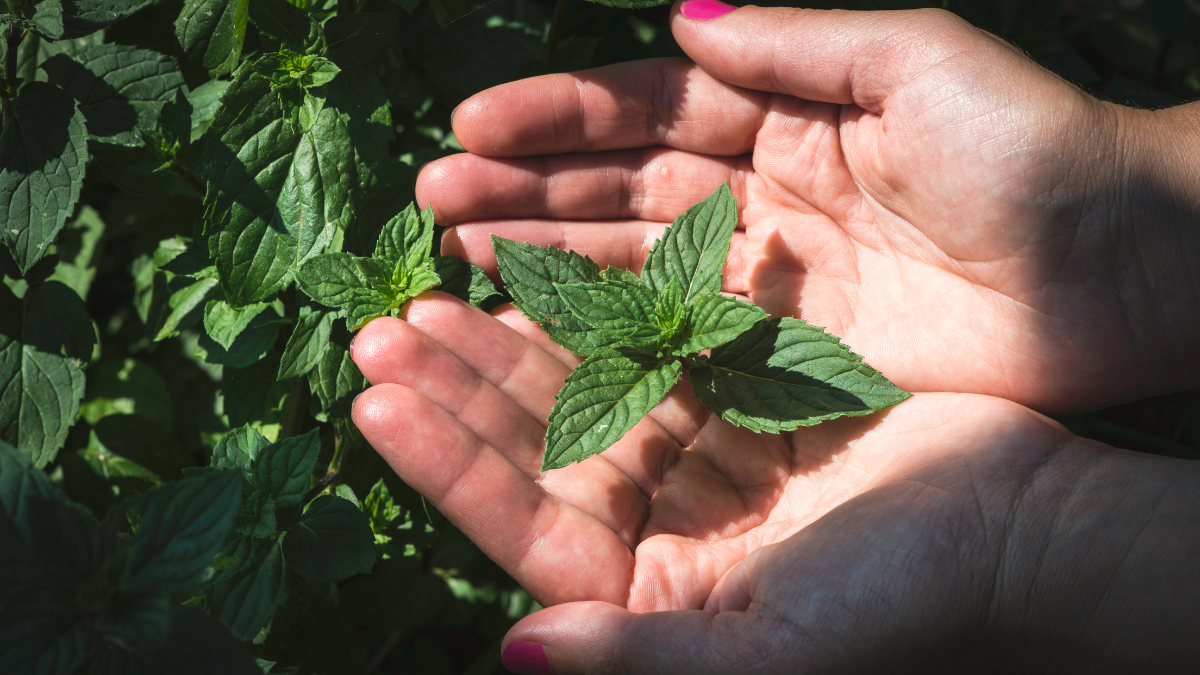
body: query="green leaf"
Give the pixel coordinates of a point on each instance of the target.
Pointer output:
(45, 339)
(715, 320)
(465, 281)
(138, 171)
(693, 249)
(603, 399)
(407, 238)
(530, 273)
(84, 17)
(619, 306)
(184, 306)
(336, 381)
(238, 449)
(205, 100)
(110, 465)
(43, 150)
(44, 18)
(292, 27)
(78, 248)
(784, 374)
(183, 525)
(354, 38)
(246, 599)
(282, 468)
(224, 323)
(211, 33)
(307, 344)
(253, 396)
(120, 89)
(332, 541)
(127, 386)
(20, 480)
(250, 345)
(362, 286)
(275, 197)
(200, 645)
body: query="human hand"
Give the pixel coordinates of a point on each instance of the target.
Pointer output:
(950, 521)
(960, 216)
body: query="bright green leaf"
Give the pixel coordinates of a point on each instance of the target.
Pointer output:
(238, 449)
(224, 323)
(307, 344)
(211, 33)
(465, 281)
(336, 381)
(332, 541)
(249, 347)
(602, 399)
(693, 249)
(407, 238)
(784, 374)
(42, 155)
(618, 305)
(715, 320)
(530, 273)
(362, 286)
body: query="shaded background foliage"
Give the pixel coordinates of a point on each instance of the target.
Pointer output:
(152, 409)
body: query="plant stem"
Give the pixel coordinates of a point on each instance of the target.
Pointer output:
(294, 409)
(321, 485)
(10, 65)
(556, 25)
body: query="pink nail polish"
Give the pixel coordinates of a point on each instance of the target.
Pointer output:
(526, 658)
(704, 10)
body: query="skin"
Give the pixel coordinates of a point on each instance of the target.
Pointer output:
(962, 218)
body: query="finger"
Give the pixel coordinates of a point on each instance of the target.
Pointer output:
(532, 378)
(599, 638)
(389, 350)
(557, 552)
(654, 184)
(666, 102)
(621, 244)
(831, 56)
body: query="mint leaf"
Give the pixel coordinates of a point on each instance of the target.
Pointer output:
(224, 323)
(361, 286)
(694, 248)
(715, 320)
(211, 33)
(354, 38)
(120, 89)
(275, 197)
(43, 150)
(619, 305)
(530, 273)
(282, 468)
(84, 17)
(407, 238)
(78, 248)
(288, 25)
(248, 348)
(238, 449)
(183, 524)
(43, 17)
(602, 399)
(245, 599)
(332, 541)
(465, 281)
(784, 374)
(45, 340)
(336, 381)
(307, 344)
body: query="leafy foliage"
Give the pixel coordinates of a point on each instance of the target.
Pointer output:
(642, 331)
(169, 173)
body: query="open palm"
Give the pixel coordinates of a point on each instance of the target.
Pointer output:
(939, 201)
(458, 409)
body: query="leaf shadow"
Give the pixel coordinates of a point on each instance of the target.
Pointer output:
(107, 111)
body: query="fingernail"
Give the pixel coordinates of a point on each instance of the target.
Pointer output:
(703, 10)
(526, 658)
(352, 339)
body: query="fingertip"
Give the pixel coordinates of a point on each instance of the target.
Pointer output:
(435, 185)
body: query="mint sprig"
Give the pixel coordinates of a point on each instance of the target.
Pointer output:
(639, 333)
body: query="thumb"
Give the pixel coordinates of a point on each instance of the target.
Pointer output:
(832, 56)
(599, 638)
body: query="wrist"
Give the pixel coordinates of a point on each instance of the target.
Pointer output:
(1096, 572)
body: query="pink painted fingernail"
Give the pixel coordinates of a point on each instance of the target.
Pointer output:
(703, 10)
(526, 658)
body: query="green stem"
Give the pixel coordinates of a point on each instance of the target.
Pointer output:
(295, 408)
(556, 25)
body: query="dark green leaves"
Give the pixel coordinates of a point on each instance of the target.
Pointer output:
(354, 38)
(42, 155)
(332, 541)
(784, 374)
(287, 25)
(602, 399)
(84, 17)
(638, 333)
(281, 470)
(693, 250)
(211, 32)
(182, 526)
(45, 340)
(368, 288)
(119, 88)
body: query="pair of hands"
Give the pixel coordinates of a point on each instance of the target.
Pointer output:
(961, 217)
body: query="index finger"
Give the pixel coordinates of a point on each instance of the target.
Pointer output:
(669, 102)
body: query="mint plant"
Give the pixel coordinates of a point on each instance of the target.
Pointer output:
(639, 333)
